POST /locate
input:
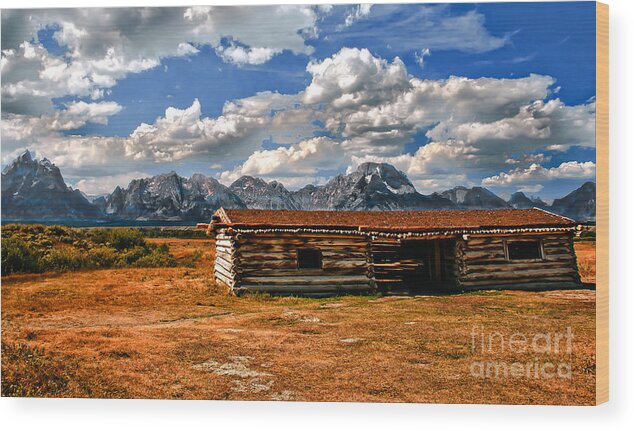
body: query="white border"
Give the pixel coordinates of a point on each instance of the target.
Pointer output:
(112, 415)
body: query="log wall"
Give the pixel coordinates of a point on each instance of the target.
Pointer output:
(267, 262)
(225, 264)
(482, 263)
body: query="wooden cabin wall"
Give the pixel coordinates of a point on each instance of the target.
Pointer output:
(225, 267)
(267, 262)
(481, 263)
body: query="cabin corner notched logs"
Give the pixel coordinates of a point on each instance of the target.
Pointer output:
(258, 251)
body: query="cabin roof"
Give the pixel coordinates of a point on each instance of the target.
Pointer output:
(391, 221)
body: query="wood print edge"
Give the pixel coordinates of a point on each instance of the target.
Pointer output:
(602, 202)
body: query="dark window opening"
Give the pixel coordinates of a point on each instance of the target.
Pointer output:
(308, 258)
(524, 250)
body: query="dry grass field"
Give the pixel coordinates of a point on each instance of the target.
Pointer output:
(169, 333)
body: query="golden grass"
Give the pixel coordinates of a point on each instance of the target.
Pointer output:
(586, 260)
(170, 333)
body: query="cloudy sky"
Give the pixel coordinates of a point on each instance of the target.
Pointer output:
(498, 95)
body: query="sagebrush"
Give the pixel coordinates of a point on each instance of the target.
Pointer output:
(40, 248)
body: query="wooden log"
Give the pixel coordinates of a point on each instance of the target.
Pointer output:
(563, 261)
(298, 235)
(307, 280)
(484, 254)
(231, 258)
(292, 255)
(290, 248)
(226, 252)
(232, 261)
(253, 264)
(338, 254)
(493, 247)
(526, 286)
(218, 270)
(227, 266)
(563, 257)
(225, 280)
(384, 253)
(332, 264)
(522, 235)
(519, 272)
(225, 243)
(302, 289)
(227, 256)
(514, 266)
(247, 263)
(228, 274)
(562, 242)
(526, 273)
(255, 256)
(488, 282)
(557, 250)
(501, 260)
(276, 272)
(228, 248)
(306, 242)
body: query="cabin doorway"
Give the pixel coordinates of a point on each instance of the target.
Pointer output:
(427, 265)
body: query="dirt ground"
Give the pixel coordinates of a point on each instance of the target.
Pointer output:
(586, 261)
(169, 333)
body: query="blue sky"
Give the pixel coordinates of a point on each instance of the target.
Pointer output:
(393, 83)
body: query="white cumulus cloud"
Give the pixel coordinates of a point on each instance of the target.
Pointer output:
(296, 165)
(536, 173)
(241, 55)
(104, 45)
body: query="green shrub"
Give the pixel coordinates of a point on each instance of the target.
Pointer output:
(64, 258)
(134, 254)
(119, 238)
(103, 256)
(37, 248)
(156, 259)
(173, 232)
(18, 256)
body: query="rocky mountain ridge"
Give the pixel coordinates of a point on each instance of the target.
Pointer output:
(35, 190)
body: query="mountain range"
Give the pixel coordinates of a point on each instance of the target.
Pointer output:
(34, 190)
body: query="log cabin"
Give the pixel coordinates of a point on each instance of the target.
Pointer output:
(324, 253)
